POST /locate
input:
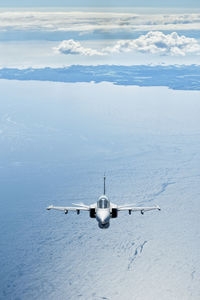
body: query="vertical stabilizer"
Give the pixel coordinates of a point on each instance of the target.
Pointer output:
(104, 185)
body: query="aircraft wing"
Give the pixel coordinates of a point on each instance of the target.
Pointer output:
(67, 208)
(142, 209)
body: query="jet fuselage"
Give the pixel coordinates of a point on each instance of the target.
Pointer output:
(103, 212)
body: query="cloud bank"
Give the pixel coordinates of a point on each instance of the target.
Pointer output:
(154, 42)
(91, 21)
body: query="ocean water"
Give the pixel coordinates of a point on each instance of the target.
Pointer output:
(56, 142)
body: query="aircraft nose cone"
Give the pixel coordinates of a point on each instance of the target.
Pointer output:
(103, 216)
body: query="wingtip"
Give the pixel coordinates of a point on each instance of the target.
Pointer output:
(158, 207)
(49, 207)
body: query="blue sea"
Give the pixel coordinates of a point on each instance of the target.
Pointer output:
(56, 142)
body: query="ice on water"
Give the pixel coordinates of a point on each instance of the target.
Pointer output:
(56, 142)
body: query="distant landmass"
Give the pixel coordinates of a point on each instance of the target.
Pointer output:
(177, 77)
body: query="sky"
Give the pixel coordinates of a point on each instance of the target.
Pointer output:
(105, 3)
(43, 35)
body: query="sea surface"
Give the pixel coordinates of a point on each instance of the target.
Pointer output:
(56, 142)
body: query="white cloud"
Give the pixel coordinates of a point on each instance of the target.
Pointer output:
(74, 47)
(154, 42)
(90, 21)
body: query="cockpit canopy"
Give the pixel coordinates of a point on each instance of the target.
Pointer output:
(103, 202)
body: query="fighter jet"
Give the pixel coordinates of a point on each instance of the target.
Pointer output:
(103, 210)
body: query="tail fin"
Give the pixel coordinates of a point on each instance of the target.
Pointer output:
(104, 184)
